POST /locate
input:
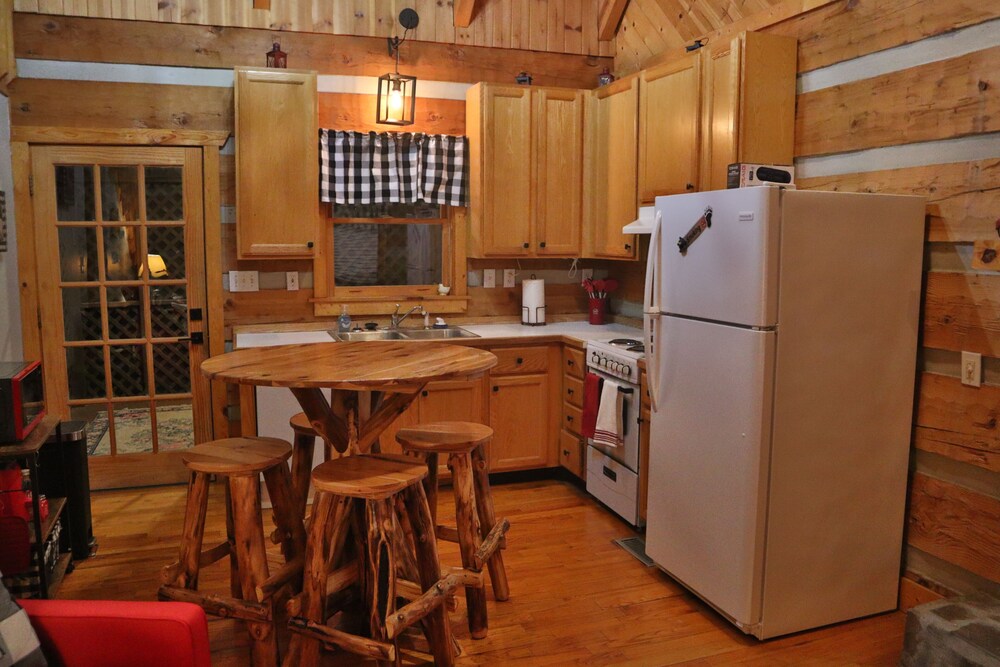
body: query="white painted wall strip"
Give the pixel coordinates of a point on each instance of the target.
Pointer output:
(964, 149)
(221, 78)
(932, 49)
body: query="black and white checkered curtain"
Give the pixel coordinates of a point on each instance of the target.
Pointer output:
(393, 167)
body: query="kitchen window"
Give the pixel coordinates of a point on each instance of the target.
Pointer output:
(380, 254)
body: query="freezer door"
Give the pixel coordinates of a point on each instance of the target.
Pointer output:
(708, 461)
(724, 268)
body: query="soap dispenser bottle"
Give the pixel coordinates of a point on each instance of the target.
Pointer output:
(344, 321)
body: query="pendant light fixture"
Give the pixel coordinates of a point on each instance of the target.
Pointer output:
(397, 92)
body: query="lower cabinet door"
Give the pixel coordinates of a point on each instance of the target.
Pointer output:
(519, 414)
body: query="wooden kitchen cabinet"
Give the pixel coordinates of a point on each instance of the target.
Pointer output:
(277, 163)
(669, 128)
(446, 400)
(611, 146)
(748, 104)
(572, 446)
(526, 172)
(8, 63)
(520, 416)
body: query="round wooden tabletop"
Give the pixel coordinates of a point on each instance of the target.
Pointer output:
(359, 366)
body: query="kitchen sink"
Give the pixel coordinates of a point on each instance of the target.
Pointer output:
(381, 334)
(437, 334)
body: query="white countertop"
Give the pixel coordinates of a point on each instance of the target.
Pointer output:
(581, 331)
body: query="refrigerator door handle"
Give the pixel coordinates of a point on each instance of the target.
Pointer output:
(651, 310)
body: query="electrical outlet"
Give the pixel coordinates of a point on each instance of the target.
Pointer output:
(586, 274)
(508, 277)
(292, 281)
(489, 277)
(972, 369)
(243, 281)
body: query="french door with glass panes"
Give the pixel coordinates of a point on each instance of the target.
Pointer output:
(120, 263)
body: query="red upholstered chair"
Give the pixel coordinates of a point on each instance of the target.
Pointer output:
(103, 633)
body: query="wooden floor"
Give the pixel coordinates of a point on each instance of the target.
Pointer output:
(576, 598)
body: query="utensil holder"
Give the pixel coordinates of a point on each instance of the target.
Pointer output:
(597, 309)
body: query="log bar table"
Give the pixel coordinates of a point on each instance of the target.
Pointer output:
(373, 382)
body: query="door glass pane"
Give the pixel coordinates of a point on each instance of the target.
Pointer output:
(121, 250)
(386, 254)
(128, 370)
(74, 193)
(171, 368)
(165, 246)
(164, 193)
(85, 372)
(168, 311)
(78, 254)
(133, 426)
(125, 313)
(96, 419)
(119, 194)
(174, 426)
(81, 313)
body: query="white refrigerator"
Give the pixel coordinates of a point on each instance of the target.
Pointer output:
(781, 334)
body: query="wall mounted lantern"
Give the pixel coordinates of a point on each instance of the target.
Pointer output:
(397, 98)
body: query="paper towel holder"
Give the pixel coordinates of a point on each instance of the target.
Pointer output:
(539, 311)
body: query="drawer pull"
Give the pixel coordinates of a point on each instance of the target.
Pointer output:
(569, 418)
(520, 360)
(565, 452)
(569, 391)
(496, 388)
(569, 362)
(424, 393)
(610, 474)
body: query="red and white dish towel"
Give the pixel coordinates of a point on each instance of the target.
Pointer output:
(602, 411)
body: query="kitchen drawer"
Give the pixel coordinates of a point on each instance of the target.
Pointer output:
(574, 361)
(517, 360)
(571, 453)
(572, 417)
(573, 390)
(613, 484)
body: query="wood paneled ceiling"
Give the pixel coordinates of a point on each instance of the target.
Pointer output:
(557, 26)
(650, 27)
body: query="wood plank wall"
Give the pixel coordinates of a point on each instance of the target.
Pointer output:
(941, 105)
(557, 26)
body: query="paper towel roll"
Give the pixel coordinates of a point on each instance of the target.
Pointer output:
(533, 301)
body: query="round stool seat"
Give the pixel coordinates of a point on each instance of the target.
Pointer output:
(301, 425)
(237, 456)
(368, 476)
(444, 437)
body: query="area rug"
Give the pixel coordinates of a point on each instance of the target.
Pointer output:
(174, 427)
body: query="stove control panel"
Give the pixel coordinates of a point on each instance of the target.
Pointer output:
(613, 364)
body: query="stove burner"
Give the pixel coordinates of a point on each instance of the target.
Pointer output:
(625, 342)
(636, 348)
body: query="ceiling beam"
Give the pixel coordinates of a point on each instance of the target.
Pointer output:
(608, 18)
(464, 9)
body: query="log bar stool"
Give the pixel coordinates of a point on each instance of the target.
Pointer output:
(379, 499)
(241, 461)
(302, 457)
(478, 532)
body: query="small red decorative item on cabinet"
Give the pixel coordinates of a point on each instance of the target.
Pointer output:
(276, 57)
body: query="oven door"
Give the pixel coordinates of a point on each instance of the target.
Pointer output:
(628, 453)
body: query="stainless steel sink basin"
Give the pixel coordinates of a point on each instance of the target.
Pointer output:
(437, 334)
(381, 334)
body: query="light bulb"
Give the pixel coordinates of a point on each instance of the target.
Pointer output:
(395, 103)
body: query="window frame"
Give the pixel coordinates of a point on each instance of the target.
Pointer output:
(381, 299)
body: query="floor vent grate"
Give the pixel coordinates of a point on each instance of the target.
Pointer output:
(637, 547)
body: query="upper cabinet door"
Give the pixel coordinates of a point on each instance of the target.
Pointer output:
(277, 163)
(669, 117)
(614, 144)
(559, 171)
(720, 108)
(507, 171)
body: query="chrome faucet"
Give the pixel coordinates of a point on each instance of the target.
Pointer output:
(397, 318)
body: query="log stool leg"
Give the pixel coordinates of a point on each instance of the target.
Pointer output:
(286, 507)
(193, 533)
(469, 538)
(429, 569)
(302, 458)
(252, 559)
(487, 519)
(380, 562)
(234, 569)
(431, 486)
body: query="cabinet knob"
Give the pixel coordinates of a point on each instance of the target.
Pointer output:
(628, 246)
(520, 360)
(569, 391)
(569, 418)
(496, 388)
(424, 393)
(309, 244)
(542, 244)
(526, 244)
(689, 186)
(569, 362)
(565, 452)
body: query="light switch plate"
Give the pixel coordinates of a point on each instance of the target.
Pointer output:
(508, 277)
(972, 369)
(489, 277)
(292, 281)
(243, 281)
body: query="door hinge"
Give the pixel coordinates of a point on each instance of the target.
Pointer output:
(31, 185)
